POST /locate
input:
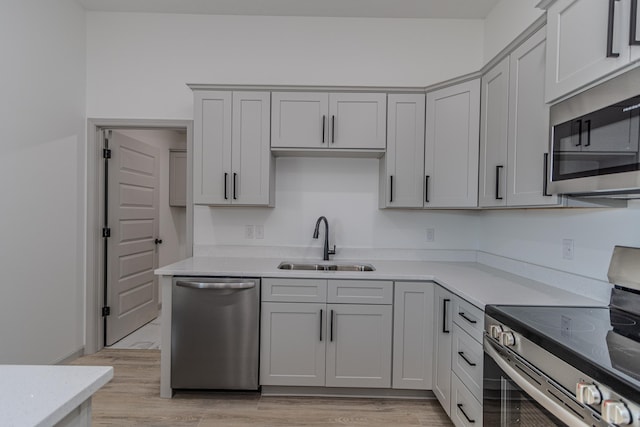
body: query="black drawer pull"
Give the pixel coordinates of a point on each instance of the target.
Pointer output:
(461, 354)
(464, 316)
(465, 414)
(444, 316)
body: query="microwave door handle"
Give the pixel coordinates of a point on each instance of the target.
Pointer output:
(560, 412)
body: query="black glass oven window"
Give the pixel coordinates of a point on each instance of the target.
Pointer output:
(599, 143)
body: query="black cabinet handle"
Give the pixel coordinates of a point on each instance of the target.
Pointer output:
(465, 414)
(464, 316)
(333, 129)
(461, 354)
(611, 23)
(323, 121)
(226, 196)
(579, 123)
(545, 182)
(588, 123)
(444, 316)
(633, 41)
(235, 175)
(498, 197)
(426, 189)
(331, 328)
(390, 188)
(320, 324)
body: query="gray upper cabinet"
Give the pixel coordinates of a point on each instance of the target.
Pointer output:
(451, 146)
(316, 120)
(494, 120)
(528, 136)
(232, 159)
(579, 50)
(401, 169)
(514, 135)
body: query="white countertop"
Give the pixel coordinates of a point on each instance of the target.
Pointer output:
(42, 395)
(476, 283)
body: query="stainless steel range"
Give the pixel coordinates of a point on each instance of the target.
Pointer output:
(576, 366)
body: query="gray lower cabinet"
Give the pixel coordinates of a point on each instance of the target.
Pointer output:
(442, 347)
(413, 318)
(292, 344)
(324, 343)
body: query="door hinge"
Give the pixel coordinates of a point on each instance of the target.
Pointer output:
(106, 311)
(106, 232)
(106, 153)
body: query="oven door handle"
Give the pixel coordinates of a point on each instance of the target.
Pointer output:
(544, 401)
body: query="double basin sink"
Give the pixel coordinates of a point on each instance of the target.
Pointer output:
(325, 267)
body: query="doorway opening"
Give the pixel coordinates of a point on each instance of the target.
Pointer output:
(139, 217)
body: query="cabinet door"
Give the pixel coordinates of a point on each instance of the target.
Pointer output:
(251, 164)
(359, 346)
(292, 344)
(358, 120)
(494, 119)
(528, 139)
(212, 148)
(178, 178)
(442, 342)
(402, 182)
(413, 335)
(577, 31)
(299, 119)
(451, 146)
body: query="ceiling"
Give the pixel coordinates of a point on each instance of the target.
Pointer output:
(439, 9)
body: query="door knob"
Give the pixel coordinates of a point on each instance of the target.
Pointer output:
(158, 241)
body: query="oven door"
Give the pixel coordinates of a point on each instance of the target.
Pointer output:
(512, 397)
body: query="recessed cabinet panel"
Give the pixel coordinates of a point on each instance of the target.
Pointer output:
(212, 147)
(251, 161)
(443, 339)
(413, 318)
(468, 357)
(577, 31)
(300, 119)
(451, 146)
(494, 123)
(357, 120)
(292, 349)
(294, 290)
(359, 346)
(360, 292)
(401, 169)
(528, 138)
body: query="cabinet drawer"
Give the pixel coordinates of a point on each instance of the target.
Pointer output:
(360, 292)
(466, 411)
(467, 358)
(294, 290)
(469, 317)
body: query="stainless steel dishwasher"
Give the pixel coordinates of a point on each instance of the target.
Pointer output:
(215, 333)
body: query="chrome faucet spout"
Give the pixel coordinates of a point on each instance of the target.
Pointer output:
(316, 232)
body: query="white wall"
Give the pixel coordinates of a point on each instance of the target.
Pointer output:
(506, 21)
(173, 220)
(41, 180)
(346, 192)
(138, 64)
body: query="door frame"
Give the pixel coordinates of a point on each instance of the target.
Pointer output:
(94, 271)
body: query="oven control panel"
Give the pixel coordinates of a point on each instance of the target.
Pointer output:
(593, 403)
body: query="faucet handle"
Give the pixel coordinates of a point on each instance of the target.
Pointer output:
(332, 251)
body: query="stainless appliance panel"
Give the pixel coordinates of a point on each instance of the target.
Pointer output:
(215, 333)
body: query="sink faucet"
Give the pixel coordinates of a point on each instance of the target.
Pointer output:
(326, 250)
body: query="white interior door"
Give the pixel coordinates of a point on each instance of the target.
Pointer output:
(133, 193)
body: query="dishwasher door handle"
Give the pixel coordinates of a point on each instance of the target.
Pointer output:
(216, 285)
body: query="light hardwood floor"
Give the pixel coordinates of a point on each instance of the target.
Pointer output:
(132, 398)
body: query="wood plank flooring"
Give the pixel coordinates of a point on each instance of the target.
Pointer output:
(132, 398)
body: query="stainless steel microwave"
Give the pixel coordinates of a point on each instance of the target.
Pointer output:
(595, 140)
